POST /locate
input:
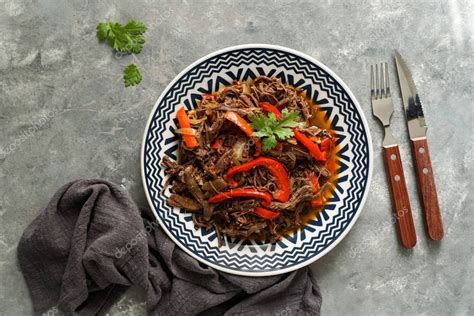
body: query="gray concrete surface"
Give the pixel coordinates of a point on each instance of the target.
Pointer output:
(64, 114)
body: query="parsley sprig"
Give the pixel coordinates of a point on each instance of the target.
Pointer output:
(271, 130)
(126, 38)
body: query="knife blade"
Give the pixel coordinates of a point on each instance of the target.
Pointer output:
(417, 129)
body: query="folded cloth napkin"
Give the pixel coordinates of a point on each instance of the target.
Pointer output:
(92, 242)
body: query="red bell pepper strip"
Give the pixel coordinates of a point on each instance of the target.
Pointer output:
(267, 214)
(245, 127)
(325, 144)
(275, 168)
(319, 200)
(244, 192)
(315, 183)
(240, 122)
(312, 147)
(189, 140)
(217, 144)
(258, 146)
(267, 107)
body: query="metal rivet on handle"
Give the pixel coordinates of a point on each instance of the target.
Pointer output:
(425, 170)
(393, 157)
(421, 150)
(397, 177)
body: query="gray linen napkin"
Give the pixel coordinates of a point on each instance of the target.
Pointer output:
(92, 242)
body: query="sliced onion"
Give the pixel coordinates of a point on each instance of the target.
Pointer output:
(186, 131)
(195, 121)
(245, 88)
(210, 105)
(292, 141)
(237, 151)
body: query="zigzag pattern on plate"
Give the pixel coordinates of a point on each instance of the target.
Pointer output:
(319, 233)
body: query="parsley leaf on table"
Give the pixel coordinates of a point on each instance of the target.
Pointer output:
(270, 130)
(126, 38)
(131, 75)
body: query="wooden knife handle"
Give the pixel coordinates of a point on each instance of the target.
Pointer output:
(427, 188)
(399, 195)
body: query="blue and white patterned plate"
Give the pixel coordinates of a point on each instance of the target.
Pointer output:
(319, 236)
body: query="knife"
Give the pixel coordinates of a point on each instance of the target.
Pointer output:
(421, 156)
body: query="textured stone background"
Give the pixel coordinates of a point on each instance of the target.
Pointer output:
(51, 65)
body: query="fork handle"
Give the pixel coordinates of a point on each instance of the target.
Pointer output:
(399, 194)
(427, 188)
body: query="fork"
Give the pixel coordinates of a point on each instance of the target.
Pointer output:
(382, 109)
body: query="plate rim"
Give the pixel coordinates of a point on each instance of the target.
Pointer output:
(370, 152)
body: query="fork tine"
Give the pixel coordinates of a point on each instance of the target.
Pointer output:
(377, 85)
(372, 83)
(382, 81)
(387, 83)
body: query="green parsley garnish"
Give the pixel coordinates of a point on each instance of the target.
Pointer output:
(131, 75)
(126, 38)
(271, 130)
